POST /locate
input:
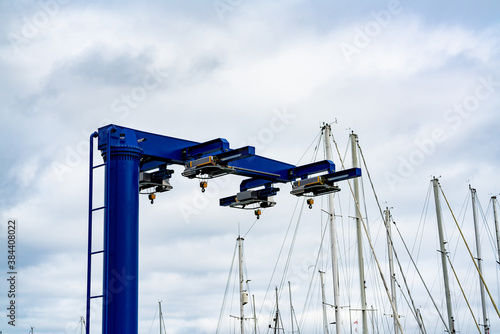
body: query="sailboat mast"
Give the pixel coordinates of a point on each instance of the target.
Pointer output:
(479, 259)
(254, 315)
(333, 237)
(291, 305)
(420, 321)
(494, 200)
(160, 316)
(242, 301)
(276, 319)
(82, 325)
(323, 302)
(391, 267)
(442, 243)
(354, 143)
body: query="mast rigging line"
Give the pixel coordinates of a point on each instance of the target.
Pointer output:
(400, 235)
(306, 301)
(414, 312)
(378, 265)
(226, 290)
(281, 249)
(464, 211)
(463, 293)
(423, 216)
(316, 140)
(372, 247)
(422, 330)
(470, 253)
(487, 227)
(153, 322)
(422, 279)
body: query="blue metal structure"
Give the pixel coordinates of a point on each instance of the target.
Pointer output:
(136, 160)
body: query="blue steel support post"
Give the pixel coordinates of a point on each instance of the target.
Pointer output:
(121, 234)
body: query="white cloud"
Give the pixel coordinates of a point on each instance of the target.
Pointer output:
(228, 79)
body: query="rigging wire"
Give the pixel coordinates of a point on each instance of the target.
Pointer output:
(388, 235)
(470, 253)
(316, 140)
(408, 302)
(421, 278)
(373, 250)
(292, 245)
(255, 221)
(423, 217)
(245, 269)
(153, 322)
(463, 293)
(226, 291)
(281, 250)
(378, 264)
(302, 320)
(487, 228)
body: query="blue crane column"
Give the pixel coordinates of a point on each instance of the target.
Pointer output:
(121, 236)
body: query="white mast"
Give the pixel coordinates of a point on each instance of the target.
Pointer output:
(333, 237)
(442, 243)
(276, 320)
(243, 300)
(291, 305)
(479, 260)
(494, 199)
(161, 317)
(354, 142)
(391, 267)
(323, 302)
(254, 315)
(82, 325)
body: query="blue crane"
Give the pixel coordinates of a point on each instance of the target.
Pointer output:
(136, 161)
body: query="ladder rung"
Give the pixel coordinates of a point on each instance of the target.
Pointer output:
(97, 252)
(93, 297)
(99, 208)
(97, 166)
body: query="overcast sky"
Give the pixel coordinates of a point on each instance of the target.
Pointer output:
(418, 81)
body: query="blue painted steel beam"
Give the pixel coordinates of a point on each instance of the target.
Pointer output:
(237, 154)
(304, 171)
(292, 173)
(262, 168)
(155, 147)
(343, 175)
(212, 147)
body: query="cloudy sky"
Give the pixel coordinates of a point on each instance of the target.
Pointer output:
(419, 82)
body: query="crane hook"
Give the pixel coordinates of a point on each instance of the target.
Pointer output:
(152, 197)
(203, 186)
(310, 201)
